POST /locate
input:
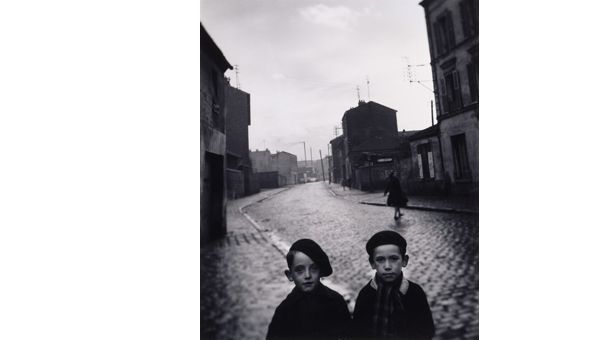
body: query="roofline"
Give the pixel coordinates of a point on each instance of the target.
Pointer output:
(214, 49)
(432, 131)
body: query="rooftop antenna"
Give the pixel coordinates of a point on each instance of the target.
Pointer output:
(368, 95)
(358, 93)
(409, 74)
(412, 78)
(236, 67)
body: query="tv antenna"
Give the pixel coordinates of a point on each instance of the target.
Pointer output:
(412, 77)
(368, 95)
(335, 129)
(358, 93)
(236, 67)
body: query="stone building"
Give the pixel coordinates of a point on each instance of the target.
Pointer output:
(284, 163)
(371, 145)
(453, 39)
(240, 180)
(213, 64)
(426, 176)
(338, 167)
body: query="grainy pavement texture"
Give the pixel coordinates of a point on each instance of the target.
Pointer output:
(242, 279)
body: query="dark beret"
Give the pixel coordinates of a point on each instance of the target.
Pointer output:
(314, 251)
(386, 237)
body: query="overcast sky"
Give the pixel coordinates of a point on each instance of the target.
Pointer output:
(301, 61)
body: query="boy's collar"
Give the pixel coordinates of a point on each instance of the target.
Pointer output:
(404, 285)
(319, 290)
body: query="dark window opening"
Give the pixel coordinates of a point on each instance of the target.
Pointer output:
(444, 35)
(469, 17)
(451, 93)
(460, 157)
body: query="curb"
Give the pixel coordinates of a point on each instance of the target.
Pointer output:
(414, 207)
(418, 207)
(283, 247)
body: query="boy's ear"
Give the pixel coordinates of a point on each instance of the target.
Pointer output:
(289, 275)
(371, 262)
(405, 260)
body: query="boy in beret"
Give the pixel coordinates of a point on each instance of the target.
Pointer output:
(390, 306)
(311, 310)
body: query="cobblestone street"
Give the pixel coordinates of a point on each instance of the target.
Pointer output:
(243, 280)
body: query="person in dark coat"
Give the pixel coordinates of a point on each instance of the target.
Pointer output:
(311, 310)
(390, 306)
(396, 198)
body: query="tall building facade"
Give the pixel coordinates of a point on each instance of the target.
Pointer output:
(213, 139)
(453, 39)
(370, 145)
(239, 166)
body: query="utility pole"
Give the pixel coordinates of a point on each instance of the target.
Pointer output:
(322, 170)
(305, 164)
(329, 166)
(311, 165)
(432, 111)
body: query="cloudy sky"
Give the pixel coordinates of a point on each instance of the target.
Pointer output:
(301, 61)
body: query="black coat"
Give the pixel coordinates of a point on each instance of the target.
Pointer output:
(415, 322)
(396, 198)
(321, 314)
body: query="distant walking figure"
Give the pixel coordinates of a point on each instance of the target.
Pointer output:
(396, 198)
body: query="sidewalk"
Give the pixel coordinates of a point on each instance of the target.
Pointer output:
(452, 204)
(242, 278)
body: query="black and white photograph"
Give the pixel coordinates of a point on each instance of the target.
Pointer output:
(300, 169)
(339, 165)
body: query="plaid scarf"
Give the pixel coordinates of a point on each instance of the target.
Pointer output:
(388, 301)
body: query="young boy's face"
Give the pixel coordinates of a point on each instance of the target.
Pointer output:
(388, 262)
(304, 272)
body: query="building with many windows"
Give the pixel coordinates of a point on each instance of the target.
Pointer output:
(453, 39)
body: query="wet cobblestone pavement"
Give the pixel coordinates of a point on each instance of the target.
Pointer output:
(443, 251)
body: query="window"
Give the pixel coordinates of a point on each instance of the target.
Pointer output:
(444, 35)
(469, 17)
(425, 161)
(460, 157)
(451, 92)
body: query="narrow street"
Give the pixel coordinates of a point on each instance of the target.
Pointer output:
(243, 280)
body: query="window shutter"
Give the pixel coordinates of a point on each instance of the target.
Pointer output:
(437, 39)
(450, 31)
(455, 80)
(431, 164)
(443, 96)
(463, 9)
(419, 165)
